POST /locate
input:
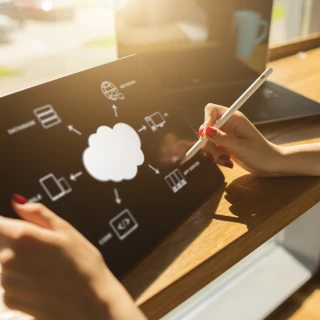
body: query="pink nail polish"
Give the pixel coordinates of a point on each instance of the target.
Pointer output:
(18, 199)
(211, 132)
(225, 157)
(200, 132)
(228, 164)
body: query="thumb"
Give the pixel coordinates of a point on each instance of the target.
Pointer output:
(224, 140)
(35, 213)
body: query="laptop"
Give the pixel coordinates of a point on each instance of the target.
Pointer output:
(102, 149)
(208, 51)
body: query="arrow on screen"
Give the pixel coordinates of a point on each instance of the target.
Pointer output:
(74, 177)
(143, 128)
(117, 197)
(115, 109)
(72, 129)
(154, 169)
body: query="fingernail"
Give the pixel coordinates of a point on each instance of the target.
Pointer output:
(228, 164)
(225, 157)
(211, 132)
(200, 132)
(18, 199)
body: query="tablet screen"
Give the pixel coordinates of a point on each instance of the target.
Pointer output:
(102, 149)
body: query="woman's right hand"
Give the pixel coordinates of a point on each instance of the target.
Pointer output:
(241, 141)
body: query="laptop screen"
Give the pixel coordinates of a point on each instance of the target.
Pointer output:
(202, 41)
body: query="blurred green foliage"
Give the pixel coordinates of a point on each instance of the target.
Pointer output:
(7, 72)
(279, 12)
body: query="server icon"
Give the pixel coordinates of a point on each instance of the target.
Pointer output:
(176, 181)
(47, 116)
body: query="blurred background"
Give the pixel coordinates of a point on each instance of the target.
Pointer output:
(41, 40)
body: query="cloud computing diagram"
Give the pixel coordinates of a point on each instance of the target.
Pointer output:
(113, 154)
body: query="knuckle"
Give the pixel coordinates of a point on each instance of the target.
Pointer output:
(10, 301)
(21, 234)
(39, 207)
(209, 107)
(240, 115)
(46, 213)
(61, 239)
(7, 259)
(63, 225)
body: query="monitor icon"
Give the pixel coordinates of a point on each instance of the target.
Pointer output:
(111, 91)
(175, 181)
(155, 121)
(55, 188)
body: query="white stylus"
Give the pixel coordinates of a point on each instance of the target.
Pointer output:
(226, 116)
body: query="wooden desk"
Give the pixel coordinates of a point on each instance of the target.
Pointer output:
(245, 213)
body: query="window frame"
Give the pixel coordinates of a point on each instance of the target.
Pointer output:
(291, 47)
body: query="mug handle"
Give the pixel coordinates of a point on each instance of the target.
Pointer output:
(265, 25)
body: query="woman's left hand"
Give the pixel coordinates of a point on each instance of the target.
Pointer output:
(50, 271)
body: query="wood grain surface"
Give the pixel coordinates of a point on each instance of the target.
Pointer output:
(241, 216)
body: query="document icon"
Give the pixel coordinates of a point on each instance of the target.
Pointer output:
(47, 116)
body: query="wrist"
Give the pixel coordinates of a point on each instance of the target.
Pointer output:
(284, 161)
(279, 163)
(275, 163)
(289, 163)
(117, 301)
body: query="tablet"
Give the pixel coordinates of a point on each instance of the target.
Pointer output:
(102, 149)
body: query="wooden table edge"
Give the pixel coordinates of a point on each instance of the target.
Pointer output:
(183, 288)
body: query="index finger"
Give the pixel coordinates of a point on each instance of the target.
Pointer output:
(9, 229)
(212, 113)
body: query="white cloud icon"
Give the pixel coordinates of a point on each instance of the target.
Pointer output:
(113, 154)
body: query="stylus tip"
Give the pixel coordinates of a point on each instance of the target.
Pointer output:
(184, 160)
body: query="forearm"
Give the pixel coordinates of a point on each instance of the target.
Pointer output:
(301, 160)
(122, 307)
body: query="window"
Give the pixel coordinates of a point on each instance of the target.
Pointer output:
(41, 40)
(294, 18)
